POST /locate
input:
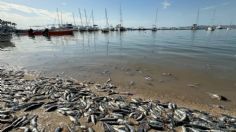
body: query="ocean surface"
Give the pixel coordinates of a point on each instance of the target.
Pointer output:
(198, 62)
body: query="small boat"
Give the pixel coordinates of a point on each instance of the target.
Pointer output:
(105, 30)
(219, 27)
(210, 28)
(154, 29)
(48, 32)
(229, 28)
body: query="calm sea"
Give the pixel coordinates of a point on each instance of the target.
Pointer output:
(199, 49)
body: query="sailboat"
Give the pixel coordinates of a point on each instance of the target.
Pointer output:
(154, 28)
(212, 28)
(229, 28)
(106, 29)
(94, 27)
(81, 27)
(195, 26)
(120, 26)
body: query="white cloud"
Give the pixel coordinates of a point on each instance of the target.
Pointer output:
(64, 3)
(166, 4)
(26, 16)
(215, 6)
(209, 7)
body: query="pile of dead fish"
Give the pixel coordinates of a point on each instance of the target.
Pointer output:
(75, 100)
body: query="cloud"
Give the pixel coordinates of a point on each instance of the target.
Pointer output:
(26, 16)
(216, 6)
(63, 3)
(209, 7)
(166, 4)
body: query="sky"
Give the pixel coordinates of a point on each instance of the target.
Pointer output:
(135, 13)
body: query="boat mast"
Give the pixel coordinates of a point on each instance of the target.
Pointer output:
(213, 17)
(74, 19)
(80, 17)
(156, 18)
(86, 17)
(121, 19)
(92, 18)
(197, 19)
(107, 24)
(58, 18)
(61, 19)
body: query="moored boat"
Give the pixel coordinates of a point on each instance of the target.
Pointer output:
(48, 32)
(210, 28)
(107, 28)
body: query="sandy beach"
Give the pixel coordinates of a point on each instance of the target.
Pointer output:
(46, 104)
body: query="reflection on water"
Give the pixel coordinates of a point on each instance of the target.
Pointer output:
(6, 45)
(179, 48)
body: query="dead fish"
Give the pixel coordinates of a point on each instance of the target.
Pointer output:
(108, 119)
(7, 112)
(34, 106)
(148, 78)
(26, 129)
(90, 129)
(180, 115)
(157, 125)
(20, 121)
(33, 121)
(140, 117)
(107, 127)
(8, 120)
(172, 106)
(130, 128)
(73, 119)
(144, 127)
(51, 108)
(58, 129)
(7, 129)
(218, 97)
(93, 119)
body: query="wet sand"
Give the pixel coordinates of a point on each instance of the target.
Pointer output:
(187, 87)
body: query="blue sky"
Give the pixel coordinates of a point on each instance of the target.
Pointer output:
(135, 12)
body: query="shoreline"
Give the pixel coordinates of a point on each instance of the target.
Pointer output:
(90, 106)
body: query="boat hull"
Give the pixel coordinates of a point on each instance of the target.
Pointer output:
(52, 33)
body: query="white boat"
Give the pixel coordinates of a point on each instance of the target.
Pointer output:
(219, 27)
(105, 30)
(229, 28)
(210, 29)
